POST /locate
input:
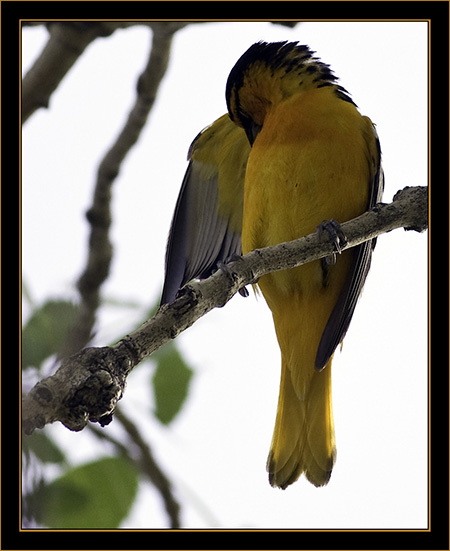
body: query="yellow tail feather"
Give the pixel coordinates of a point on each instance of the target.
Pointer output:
(303, 440)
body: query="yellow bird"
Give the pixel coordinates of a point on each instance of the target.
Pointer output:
(297, 153)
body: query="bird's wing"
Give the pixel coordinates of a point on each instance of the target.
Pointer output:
(342, 313)
(207, 223)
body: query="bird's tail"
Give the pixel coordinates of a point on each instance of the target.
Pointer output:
(303, 439)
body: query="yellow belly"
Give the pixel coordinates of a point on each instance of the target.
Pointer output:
(309, 163)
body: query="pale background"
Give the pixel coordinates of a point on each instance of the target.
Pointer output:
(215, 451)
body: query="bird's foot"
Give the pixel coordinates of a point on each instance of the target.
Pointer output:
(336, 235)
(225, 268)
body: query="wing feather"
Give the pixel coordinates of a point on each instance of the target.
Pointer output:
(207, 223)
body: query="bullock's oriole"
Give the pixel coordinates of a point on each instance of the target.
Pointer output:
(293, 152)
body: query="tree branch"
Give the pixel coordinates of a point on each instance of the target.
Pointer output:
(66, 43)
(99, 214)
(88, 385)
(146, 463)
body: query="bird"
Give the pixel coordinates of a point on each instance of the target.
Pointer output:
(292, 156)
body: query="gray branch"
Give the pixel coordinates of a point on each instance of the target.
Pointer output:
(144, 459)
(67, 42)
(88, 385)
(100, 251)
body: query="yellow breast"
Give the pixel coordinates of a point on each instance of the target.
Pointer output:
(309, 163)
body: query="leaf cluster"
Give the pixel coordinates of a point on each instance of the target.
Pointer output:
(98, 493)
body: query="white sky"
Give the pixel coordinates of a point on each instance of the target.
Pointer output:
(215, 451)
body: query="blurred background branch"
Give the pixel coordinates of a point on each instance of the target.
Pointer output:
(66, 43)
(99, 214)
(144, 460)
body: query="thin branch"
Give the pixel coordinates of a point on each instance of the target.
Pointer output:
(145, 462)
(66, 43)
(99, 214)
(88, 385)
(152, 470)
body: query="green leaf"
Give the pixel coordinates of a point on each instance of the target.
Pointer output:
(46, 331)
(170, 383)
(43, 447)
(26, 294)
(95, 495)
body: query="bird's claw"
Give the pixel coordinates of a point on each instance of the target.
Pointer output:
(224, 267)
(337, 237)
